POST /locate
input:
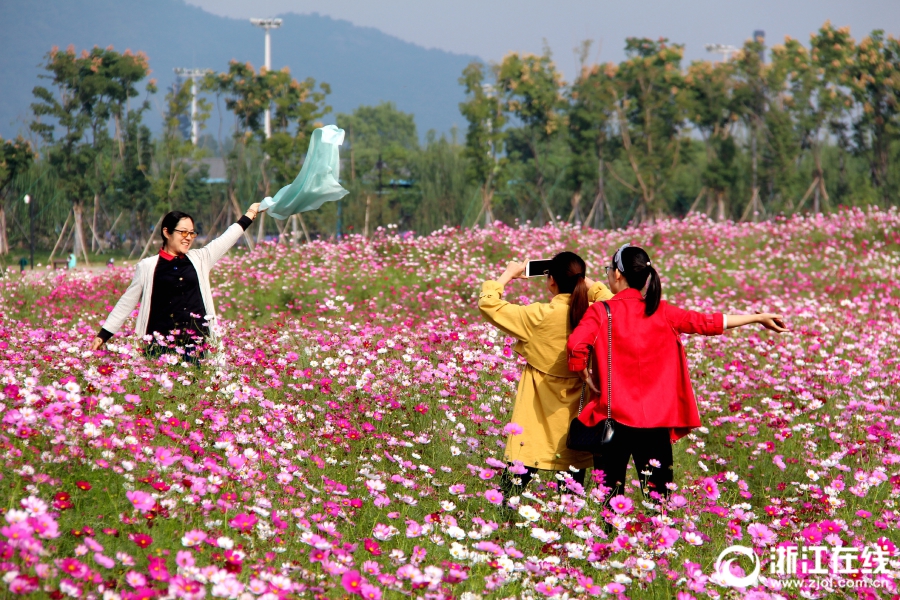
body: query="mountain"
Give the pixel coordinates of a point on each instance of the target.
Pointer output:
(362, 64)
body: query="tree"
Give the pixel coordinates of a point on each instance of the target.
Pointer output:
(591, 113)
(176, 155)
(815, 97)
(91, 89)
(484, 136)
(751, 94)
(714, 111)
(440, 172)
(298, 106)
(650, 115)
(532, 92)
(874, 80)
(16, 156)
(383, 144)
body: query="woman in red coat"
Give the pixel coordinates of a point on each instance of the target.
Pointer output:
(652, 400)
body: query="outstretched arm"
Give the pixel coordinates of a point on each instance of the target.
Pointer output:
(123, 308)
(770, 321)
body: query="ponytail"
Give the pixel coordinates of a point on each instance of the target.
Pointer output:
(654, 292)
(578, 303)
(640, 275)
(567, 270)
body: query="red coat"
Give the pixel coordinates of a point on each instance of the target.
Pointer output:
(651, 383)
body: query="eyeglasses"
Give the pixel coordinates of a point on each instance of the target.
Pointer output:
(186, 234)
(607, 269)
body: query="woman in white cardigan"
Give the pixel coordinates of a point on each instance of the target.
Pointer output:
(176, 306)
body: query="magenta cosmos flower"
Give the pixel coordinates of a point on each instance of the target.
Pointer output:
(243, 522)
(352, 582)
(621, 504)
(710, 488)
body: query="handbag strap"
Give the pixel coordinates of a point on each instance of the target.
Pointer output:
(608, 367)
(608, 361)
(583, 386)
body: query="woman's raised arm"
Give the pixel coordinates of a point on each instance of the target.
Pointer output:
(514, 319)
(217, 248)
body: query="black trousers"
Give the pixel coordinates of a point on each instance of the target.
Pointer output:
(509, 488)
(192, 356)
(643, 444)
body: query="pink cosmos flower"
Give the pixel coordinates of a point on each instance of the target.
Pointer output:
(135, 579)
(157, 569)
(369, 591)
(104, 561)
(760, 534)
(486, 474)
(413, 529)
(44, 526)
(192, 538)
(21, 586)
(141, 500)
(517, 468)
(184, 559)
(494, 497)
(186, 589)
(621, 504)
(513, 429)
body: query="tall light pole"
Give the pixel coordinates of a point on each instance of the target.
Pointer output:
(193, 75)
(724, 49)
(30, 204)
(268, 25)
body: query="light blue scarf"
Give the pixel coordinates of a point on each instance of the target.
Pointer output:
(317, 182)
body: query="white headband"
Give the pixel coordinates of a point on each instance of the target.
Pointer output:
(618, 258)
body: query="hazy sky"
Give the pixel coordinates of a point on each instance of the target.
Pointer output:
(491, 28)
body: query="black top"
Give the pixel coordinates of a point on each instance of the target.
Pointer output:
(176, 302)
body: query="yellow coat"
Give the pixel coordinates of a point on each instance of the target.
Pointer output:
(547, 398)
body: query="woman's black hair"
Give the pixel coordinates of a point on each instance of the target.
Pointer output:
(639, 273)
(170, 222)
(567, 270)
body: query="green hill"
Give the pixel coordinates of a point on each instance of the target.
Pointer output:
(363, 65)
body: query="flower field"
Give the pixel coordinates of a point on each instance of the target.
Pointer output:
(345, 440)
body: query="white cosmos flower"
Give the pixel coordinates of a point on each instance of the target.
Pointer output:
(529, 513)
(693, 538)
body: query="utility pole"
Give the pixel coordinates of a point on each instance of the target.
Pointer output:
(30, 204)
(193, 75)
(268, 25)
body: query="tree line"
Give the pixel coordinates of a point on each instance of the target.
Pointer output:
(769, 131)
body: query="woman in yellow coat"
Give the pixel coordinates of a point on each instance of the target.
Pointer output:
(548, 394)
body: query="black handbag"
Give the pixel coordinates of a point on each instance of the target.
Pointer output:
(590, 439)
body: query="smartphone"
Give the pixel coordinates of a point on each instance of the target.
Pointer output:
(537, 268)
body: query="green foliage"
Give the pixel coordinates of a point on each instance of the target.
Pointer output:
(812, 127)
